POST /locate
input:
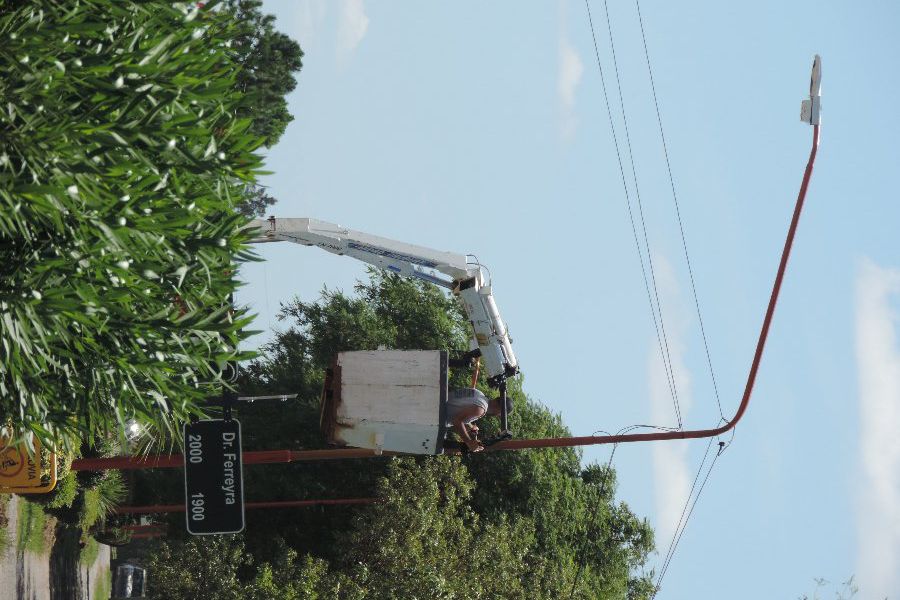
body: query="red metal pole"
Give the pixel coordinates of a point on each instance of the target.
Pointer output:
(141, 528)
(276, 456)
(258, 457)
(754, 367)
(147, 535)
(169, 508)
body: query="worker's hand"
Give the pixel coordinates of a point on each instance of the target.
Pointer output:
(474, 446)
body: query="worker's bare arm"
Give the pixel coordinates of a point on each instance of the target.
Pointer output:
(460, 426)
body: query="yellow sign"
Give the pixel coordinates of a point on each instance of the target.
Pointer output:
(21, 473)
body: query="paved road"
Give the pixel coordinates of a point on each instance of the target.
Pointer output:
(8, 558)
(27, 576)
(91, 576)
(23, 576)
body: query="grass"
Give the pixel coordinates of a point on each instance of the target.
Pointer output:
(4, 523)
(92, 511)
(30, 529)
(90, 552)
(104, 587)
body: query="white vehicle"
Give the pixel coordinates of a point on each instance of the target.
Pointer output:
(452, 271)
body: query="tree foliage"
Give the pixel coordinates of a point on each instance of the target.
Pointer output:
(269, 60)
(847, 590)
(121, 160)
(529, 524)
(203, 567)
(256, 201)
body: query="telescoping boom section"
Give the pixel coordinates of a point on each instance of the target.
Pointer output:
(446, 269)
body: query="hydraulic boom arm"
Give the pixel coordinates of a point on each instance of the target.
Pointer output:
(465, 279)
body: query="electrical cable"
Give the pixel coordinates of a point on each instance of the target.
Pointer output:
(687, 257)
(602, 492)
(686, 513)
(637, 193)
(266, 291)
(666, 364)
(686, 502)
(677, 538)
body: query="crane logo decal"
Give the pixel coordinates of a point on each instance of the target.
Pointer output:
(416, 260)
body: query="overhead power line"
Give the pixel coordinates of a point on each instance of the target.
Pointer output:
(686, 512)
(637, 193)
(663, 348)
(687, 257)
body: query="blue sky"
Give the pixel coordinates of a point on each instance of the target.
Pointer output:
(481, 128)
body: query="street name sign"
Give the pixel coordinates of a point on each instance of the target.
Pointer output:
(213, 477)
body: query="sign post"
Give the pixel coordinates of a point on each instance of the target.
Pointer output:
(213, 477)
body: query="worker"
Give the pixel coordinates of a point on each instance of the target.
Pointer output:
(467, 405)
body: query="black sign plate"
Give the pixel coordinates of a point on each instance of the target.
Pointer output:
(213, 477)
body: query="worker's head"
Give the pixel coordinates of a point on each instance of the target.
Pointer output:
(494, 406)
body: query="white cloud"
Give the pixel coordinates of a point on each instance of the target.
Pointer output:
(308, 21)
(570, 72)
(312, 22)
(352, 25)
(671, 475)
(878, 365)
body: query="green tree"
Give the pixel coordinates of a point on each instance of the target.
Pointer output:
(848, 589)
(269, 60)
(121, 161)
(386, 311)
(576, 519)
(269, 63)
(256, 201)
(529, 524)
(424, 540)
(571, 512)
(201, 567)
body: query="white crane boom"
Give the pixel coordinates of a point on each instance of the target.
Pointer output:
(465, 279)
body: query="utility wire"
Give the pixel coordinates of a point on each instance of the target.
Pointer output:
(591, 518)
(687, 257)
(676, 538)
(640, 204)
(669, 376)
(266, 290)
(678, 525)
(656, 308)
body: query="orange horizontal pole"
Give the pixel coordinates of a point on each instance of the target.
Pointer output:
(147, 535)
(149, 527)
(754, 367)
(253, 457)
(170, 508)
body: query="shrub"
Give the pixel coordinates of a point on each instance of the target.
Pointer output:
(104, 446)
(64, 493)
(61, 496)
(113, 537)
(120, 164)
(102, 500)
